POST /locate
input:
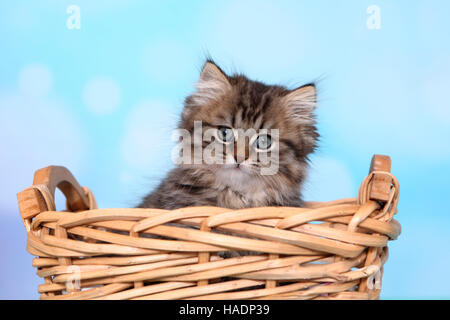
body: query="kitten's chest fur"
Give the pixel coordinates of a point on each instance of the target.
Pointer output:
(237, 190)
(183, 188)
(236, 199)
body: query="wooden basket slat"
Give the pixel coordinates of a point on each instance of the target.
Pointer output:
(92, 293)
(251, 294)
(246, 268)
(118, 271)
(333, 270)
(94, 248)
(186, 270)
(37, 243)
(319, 245)
(199, 290)
(114, 261)
(144, 243)
(84, 284)
(317, 215)
(320, 204)
(314, 291)
(226, 241)
(346, 295)
(147, 290)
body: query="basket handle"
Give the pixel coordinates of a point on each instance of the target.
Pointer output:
(381, 184)
(60, 177)
(40, 197)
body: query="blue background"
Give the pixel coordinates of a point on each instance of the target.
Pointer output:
(102, 100)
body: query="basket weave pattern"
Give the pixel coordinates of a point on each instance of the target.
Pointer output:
(330, 250)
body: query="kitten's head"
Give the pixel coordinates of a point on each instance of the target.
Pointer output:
(249, 127)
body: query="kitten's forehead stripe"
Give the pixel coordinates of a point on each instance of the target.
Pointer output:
(257, 95)
(252, 101)
(258, 122)
(266, 101)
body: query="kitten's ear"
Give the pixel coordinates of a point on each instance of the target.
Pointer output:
(212, 84)
(301, 103)
(212, 72)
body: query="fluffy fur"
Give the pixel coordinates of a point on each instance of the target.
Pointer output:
(240, 103)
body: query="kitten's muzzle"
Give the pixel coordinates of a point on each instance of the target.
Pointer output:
(241, 153)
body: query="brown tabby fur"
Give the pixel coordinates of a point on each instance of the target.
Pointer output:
(237, 102)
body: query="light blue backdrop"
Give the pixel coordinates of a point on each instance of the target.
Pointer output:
(103, 99)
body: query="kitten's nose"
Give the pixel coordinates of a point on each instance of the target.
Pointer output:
(241, 154)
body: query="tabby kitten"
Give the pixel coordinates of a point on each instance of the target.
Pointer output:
(227, 106)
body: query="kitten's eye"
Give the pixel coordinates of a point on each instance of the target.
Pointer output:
(225, 134)
(263, 142)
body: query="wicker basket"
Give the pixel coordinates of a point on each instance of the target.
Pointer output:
(331, 250)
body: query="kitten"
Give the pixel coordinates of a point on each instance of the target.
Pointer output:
(227, 106)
